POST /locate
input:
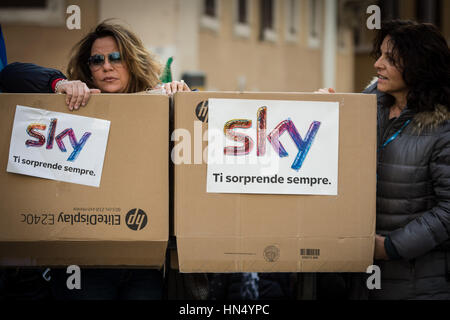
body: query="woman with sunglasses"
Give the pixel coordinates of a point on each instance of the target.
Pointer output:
(110, 59)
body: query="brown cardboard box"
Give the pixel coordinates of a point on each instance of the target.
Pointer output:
(266, 233)
(135, 176)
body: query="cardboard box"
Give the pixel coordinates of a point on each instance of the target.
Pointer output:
(279, 233)
(40, 218)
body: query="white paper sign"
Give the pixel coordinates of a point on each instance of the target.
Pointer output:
(58, 146)
(273, 147)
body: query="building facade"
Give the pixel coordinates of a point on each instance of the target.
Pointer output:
(244, 45)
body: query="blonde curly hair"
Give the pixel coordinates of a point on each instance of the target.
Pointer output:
(144, 69)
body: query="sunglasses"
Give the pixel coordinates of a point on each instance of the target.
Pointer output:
(98, 60)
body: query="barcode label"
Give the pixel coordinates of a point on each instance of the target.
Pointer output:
(310, 252)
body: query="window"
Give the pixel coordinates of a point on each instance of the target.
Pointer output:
(242, 9)
(210, 15)
(352, 21)
(210, 8)
(40, 12)
(267, 20)
(292, 14)
(242, 18)
(389, 9)
(429, 11)
(315, 12)
(267, 14)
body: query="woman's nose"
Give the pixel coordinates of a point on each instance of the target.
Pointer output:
(378, 64)
(107, 65)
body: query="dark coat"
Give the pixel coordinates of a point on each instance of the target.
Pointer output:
(28, 78)
(413, 202)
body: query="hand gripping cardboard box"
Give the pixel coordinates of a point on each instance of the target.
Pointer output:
(264, 232)
(55, 223)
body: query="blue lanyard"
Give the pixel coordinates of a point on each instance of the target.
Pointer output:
(395, 135)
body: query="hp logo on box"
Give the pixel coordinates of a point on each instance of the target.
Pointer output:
(201, 111)
(136, 219)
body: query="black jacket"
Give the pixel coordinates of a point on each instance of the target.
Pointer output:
(28, 78)
(413, 202)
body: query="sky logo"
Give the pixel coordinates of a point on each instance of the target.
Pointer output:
(287, 125)
(32, 131)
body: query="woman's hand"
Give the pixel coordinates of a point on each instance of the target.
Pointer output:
(175, 86)
(325, 90)
(380, 251)
(77, 93)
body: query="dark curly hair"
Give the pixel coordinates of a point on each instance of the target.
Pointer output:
(422, 55)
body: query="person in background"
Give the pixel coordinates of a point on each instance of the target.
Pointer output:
(412, 246)
(109, 59)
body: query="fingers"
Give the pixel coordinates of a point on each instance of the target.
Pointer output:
(81, 95)
(74, 87)
(84, 93)
(185, 87)
(73, 97)
(168, 88)
(176, 86)
(180, 86)
(77, 94)
(69, 92)
(72, 93)
(325, 90)
(87, 95)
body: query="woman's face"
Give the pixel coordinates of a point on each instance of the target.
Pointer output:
(390, 79)
(110, 76)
